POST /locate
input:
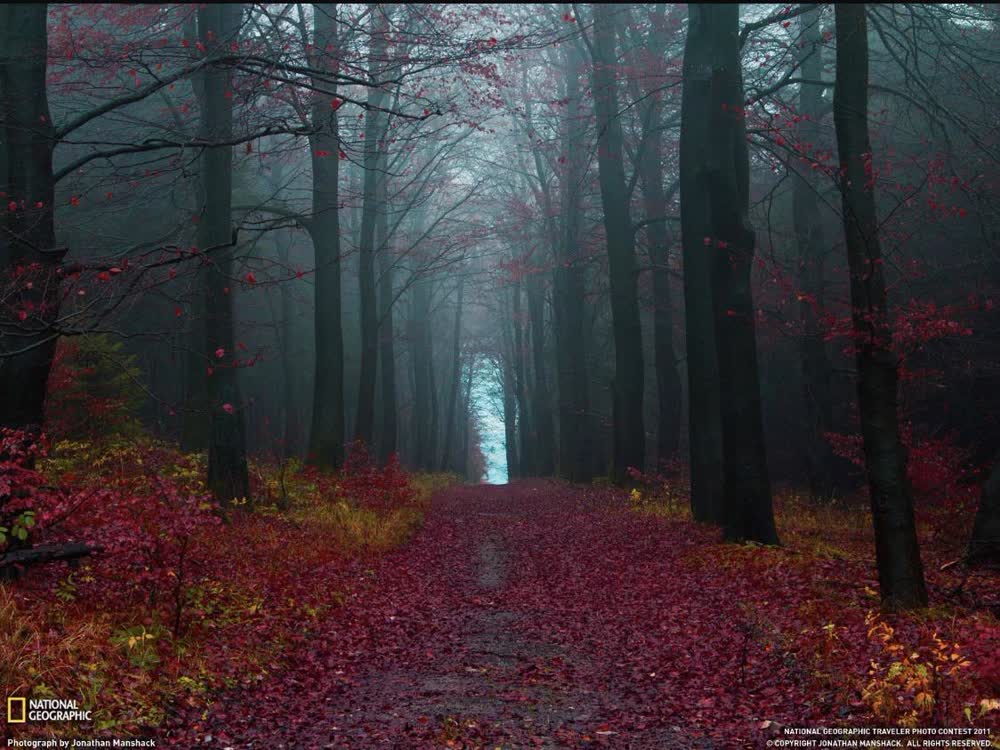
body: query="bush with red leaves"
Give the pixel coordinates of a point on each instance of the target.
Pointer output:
(940, 471)
(377, 488)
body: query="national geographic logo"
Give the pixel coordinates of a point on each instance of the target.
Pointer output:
(22, 710)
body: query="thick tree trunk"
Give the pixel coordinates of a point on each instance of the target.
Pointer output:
(984, 545)
(746, 483)
(326, 435)
(816, 366)
(27, 344)
(194, 424)
(364, 425)
(901, 574)
(228, 479)
(569, 287)
(704, 419)
(629, 430)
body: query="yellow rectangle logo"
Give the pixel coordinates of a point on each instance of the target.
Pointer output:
(15, 715)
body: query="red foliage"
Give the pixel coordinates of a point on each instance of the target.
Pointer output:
(146, 524)
(539, 613)
(378, 488)
(223, 599)
(940, 471)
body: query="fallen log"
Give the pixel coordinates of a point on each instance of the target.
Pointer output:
(47, 553)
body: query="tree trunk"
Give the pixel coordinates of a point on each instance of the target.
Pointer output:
(386, 327)
(194, 424)
(668, 380)
(526, 437)
(364, 425)
(509, 419)
(540, 397)
(508, 358)
(422, 355)
(432, 430)
(326, 435)
(746, 483)
(466, 419)
(629, 430)
(816, 366)
(984, 545)
(568, 291)
(228, 479)
(286, 334)
(900, 570)
(27, 345)
(704, 419)
(456, 378)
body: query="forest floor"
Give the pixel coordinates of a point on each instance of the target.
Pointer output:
(540, 614)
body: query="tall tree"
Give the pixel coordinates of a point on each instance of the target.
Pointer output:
(465, 422)
(900, 570)
(364, 426)
(747, 484)
(195, 427)
(422, 359)
(525, 434)
(512, 406)
(704, 420)
(629, 430)
(540, 405)
(816, 366)
(228, 479)
(27, 232)
(286, 337)
(509, 417)
(568, 288)
(724, 183)
(326, 439)
(388, 435)
(655, 202)
(455, 381)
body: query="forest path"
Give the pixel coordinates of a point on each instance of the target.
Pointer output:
(490, 629)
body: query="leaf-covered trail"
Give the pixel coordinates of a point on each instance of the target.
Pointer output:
(532, 614)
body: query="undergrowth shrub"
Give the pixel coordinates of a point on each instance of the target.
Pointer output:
(93, 390)
(178, 602)
(940, 471)
(660, 492)
(913, 685)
